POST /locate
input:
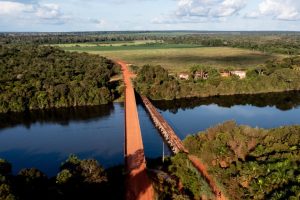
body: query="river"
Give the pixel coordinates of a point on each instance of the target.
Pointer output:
(44, 139)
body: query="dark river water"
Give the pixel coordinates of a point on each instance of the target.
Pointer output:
(44, 139)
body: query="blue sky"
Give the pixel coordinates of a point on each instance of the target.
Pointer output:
(105, 15)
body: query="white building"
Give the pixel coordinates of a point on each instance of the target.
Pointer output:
(241, 74)
(184, 76)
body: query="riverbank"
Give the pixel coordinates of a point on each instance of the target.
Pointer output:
(191, 94)
(245, 162)
(282, 101)
(42, 77)
(97, 131)
(157, 83)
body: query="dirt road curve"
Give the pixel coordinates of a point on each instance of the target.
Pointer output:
(201, 168)
(138, 185)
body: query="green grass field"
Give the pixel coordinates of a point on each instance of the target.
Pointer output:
(180, 57)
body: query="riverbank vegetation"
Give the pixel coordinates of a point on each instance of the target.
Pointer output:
(245, 162)
(76, 179)
(283, 101)
(274, 76)
(42, 77)
(248, 163)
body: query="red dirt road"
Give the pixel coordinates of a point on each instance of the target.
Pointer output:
(201, 168)
(138, 185)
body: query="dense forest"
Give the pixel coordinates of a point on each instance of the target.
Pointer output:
(41, 77)
(248, 163)
(75, 37)
(272, 42)
(275, 76)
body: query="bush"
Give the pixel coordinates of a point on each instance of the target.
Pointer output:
(63, 177)
(6, 193)
(84, 171)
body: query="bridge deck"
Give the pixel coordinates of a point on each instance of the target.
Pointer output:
(177, 146)
(138, 185)
(165, 129)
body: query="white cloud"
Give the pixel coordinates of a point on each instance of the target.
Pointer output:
(197, 11)
(12, 8)
(76, 15)
(288, 10)
(212, 8)
(48, 11)
(31, 11)
(228, 8)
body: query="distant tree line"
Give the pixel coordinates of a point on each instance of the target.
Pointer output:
(271, 42)
(78, 37)
(275, 76)
(41, 77)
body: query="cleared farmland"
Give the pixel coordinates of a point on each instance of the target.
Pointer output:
(180, 57)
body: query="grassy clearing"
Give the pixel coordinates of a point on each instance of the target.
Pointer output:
(126, 47)
(107, 44)
(174, 57)
(177, 58)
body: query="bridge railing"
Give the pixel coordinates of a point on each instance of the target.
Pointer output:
(165, 129)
